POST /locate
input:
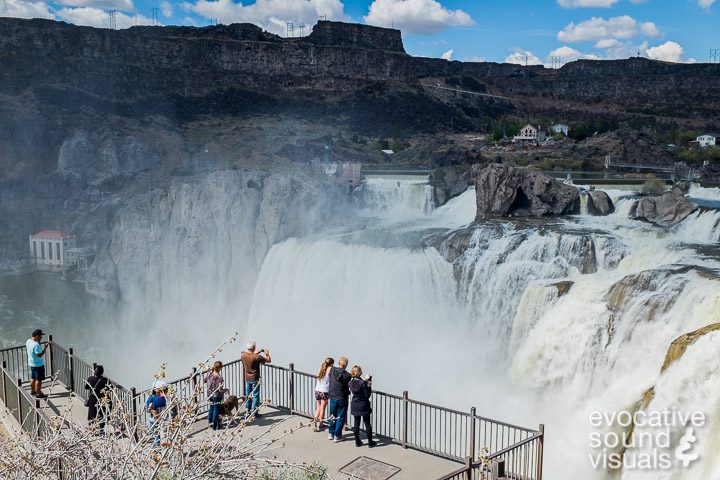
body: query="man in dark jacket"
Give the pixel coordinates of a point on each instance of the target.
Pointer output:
(338, 395)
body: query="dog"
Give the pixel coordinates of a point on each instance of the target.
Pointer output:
(231, 403)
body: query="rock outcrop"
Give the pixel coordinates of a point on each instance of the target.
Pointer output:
(112, 155)
(448, 183)
(509, 191)
(599, 203)
(680, 345)
(665, 210)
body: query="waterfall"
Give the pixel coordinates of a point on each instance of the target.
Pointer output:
(396, 199)
(703, 226)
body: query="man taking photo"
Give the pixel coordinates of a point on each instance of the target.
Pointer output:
(36, 352)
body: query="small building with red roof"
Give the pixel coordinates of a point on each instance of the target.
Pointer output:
(48, 248)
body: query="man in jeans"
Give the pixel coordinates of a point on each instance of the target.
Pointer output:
(35, 353)
(338, 394)
(251, 361)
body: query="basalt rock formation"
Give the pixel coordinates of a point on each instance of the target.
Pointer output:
(599, 203)
(665, 210)
(509, 191)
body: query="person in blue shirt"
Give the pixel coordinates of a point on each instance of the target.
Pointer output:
(36, 362)
(155, 404)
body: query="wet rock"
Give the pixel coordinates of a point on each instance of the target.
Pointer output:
(563, 287)
(680, 345)
(665, 210)
(599, 203)
(509, 191)
(448, 183)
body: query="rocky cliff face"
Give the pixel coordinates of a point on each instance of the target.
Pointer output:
(177, 85)
(199, 241)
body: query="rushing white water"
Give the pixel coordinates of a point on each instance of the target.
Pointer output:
(497, 320)
(696, 191)
(397, 199)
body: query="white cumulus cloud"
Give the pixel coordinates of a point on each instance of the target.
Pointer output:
(166, 9)
(272, 15)
(24, 9)
(95, 17)
(522, 57)
(447, 55)
(593, 3)
(667, 52)
(620, 28)
(415, 16)
(123, 5)
(568, 54)
(706, 4)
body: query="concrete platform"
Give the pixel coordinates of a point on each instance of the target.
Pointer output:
(303, 445)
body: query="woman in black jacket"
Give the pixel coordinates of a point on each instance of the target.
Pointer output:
(97, 401)
(360, 406)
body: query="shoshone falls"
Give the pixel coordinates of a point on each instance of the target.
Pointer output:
(604, 328)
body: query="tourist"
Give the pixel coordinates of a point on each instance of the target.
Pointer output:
(252, 361)
(155, 405)
(98, 399)
(321, 392)
(361, 408)
(215, 393)
(338, 393)
(36, 362)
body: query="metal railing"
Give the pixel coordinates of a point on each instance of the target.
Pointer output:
(446, 433)
(21, 406)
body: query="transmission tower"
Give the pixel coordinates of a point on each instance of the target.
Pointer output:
(323, 18)
(155, 16)
(555, 62)
(290, 29)
(302, 30)
(714, 55)
(113, 19)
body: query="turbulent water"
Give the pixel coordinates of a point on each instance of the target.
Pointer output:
(530, 321)
(494, 330)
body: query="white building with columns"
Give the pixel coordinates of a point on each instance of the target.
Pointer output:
(48, 247)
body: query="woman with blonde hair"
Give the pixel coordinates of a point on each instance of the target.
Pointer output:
(360, 405)
(322, 386)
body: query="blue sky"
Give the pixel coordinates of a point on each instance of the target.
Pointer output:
(551, 32)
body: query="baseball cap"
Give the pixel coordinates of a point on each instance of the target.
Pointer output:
(37, 332)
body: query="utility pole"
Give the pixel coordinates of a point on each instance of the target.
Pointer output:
(290, 29)
(155, 16)
(555, 62)
(715, 55)
(302, 30)
(113, 19)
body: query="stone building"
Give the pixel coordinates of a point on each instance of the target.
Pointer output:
(48, 247)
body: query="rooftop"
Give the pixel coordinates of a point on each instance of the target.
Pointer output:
(53, 234)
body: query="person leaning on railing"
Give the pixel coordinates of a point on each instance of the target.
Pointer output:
(252, 361)
(322, 386)
(97, 401)
(36, 362)
(360, 406)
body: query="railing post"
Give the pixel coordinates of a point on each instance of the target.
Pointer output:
(541, 439)
(37, 416)
(291, 388)
(498, 469)
(405, 419)
(71, 370)
(2, 380)
(51, 364)
(471, 442)
(19, 400)
(135, 420)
